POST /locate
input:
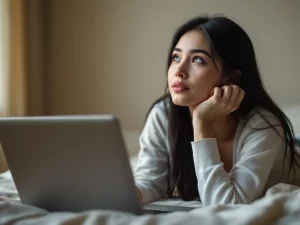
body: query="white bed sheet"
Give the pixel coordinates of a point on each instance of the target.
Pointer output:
(281, 205)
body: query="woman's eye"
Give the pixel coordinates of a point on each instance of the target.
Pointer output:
(175, 58)
(198, 59)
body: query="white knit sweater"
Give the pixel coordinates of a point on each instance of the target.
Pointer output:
(257, 161)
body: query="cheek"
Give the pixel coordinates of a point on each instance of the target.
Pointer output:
(170, 75)
(209, 79)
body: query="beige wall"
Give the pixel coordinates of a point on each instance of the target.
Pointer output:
(109, 56)
(297, 29)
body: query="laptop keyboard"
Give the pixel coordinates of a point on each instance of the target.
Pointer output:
(154, 212)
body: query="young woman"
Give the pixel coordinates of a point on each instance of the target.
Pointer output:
(216, 135)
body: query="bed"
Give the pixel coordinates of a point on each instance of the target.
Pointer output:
(280, 205)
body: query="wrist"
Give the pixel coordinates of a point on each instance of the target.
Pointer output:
(202, 130)
(202, 123)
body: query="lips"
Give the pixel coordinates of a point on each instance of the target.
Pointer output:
(179, 87)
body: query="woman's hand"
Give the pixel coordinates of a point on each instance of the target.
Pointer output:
(222, 102)
(140, 195)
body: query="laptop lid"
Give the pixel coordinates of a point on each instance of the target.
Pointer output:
(69, 163)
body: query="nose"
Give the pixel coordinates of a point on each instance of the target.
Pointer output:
(181, 71)
(181, 75)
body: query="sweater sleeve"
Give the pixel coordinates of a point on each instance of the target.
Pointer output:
(248, 177)
(151, 173)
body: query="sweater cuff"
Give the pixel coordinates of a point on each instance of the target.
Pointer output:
(205, 152)
(147, 193)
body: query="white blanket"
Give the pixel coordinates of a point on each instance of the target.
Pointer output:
(281, 205)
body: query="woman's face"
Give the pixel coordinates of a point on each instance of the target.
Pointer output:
(192, 74)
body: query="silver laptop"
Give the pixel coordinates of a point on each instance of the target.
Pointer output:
(72, 163)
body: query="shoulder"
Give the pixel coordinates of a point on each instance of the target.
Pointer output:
(259, 131)
(261, 119)
(157, 119)
(159, 110)
(155, 130)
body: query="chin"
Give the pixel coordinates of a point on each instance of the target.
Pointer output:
(185, 100)
(181, 102)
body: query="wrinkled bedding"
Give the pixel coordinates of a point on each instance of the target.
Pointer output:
(281, 205)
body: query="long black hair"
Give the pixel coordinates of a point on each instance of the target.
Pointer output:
(230, 42)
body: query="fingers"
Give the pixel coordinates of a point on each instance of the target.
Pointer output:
(217, 95)
(239, 99)
(231, 105)
(232, 97)
(226, 94)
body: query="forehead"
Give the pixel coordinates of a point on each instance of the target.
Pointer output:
(193, 40)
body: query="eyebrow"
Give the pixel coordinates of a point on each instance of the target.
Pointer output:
(195, 51)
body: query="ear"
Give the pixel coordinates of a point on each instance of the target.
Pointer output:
(236, 76)
(233, 78)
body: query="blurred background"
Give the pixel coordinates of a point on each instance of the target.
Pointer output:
(61, 57)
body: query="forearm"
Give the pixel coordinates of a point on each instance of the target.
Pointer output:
(215, 185)
(202, 130)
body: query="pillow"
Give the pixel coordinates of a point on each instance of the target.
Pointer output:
(293, 113)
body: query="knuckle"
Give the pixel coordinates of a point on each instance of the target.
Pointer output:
(215, 101)
(235, 88)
